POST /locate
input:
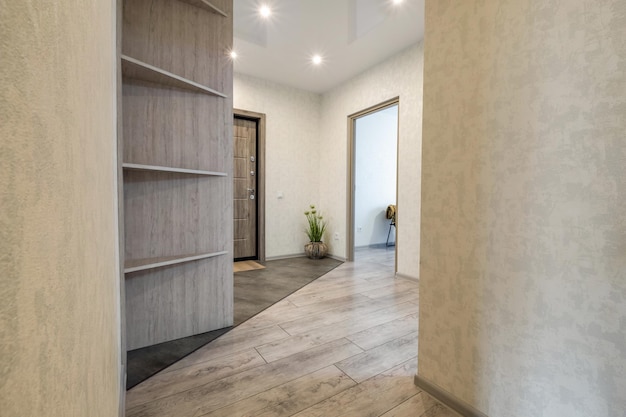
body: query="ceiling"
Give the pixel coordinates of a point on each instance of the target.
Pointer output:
(350, 36)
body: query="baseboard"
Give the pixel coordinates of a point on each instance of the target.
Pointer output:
(448, 399)
(409, 277)
(293, 255)
(337, 258)
(375, 246)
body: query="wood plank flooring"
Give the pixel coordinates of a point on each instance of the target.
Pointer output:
(344, 345)
(255, 290)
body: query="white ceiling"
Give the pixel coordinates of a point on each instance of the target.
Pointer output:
(350, 35)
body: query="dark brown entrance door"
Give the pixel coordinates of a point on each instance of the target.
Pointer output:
(245, 188)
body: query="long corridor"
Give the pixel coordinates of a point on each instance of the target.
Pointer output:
(344, 345)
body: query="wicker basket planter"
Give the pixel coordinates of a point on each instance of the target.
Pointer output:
(316, 250)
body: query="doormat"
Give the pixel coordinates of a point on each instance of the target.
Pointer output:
(247, 266)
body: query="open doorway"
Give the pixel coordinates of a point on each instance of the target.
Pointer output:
(373, 177)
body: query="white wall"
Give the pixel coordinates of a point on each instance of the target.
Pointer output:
(59, 290)
(523, 279)
(400, 76)
(376, 147)
(292, 152)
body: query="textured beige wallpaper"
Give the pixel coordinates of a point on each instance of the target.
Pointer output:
(292, 153)
(399, 76)
(59, 280)
(523, 277)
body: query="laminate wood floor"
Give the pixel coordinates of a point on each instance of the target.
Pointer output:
(255, 289)
(344, 345)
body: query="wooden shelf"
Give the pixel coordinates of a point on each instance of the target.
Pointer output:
(141, 167)
(135, 69)
(207, 5)
(143, 264)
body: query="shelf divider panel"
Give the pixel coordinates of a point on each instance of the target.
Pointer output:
(143, 167)
(207, 5)
(143, 264)
(135, 69)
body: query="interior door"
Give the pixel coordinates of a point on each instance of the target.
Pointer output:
(245, 178)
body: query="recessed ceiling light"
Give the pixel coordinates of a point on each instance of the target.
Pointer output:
(233, 55)
(316, 59)
(265, 11)
(397, 1)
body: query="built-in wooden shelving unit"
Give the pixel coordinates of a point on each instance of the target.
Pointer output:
(203, 4)
(178, 227)
(142, 167)
(150, 263)
(135, 69)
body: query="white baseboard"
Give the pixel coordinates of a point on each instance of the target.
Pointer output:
(409, 277)
(448, 399)
(337, 258)
(381, 245)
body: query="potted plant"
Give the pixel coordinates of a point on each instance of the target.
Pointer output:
(315, 249)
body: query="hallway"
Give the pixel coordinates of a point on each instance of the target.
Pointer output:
(344, 345)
